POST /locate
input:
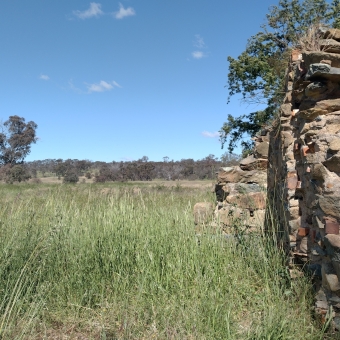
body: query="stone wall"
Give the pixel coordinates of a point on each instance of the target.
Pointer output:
(240, 192)
(304, 168)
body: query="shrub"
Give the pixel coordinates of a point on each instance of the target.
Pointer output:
(14, 173)
(71, 177)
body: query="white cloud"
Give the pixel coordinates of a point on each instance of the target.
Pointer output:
(199, 42)
(116, 84)
(124, 12)
(210, 134)
(200, 46)
(44, 77)
(93, 11)
(102, 86)
(73, 87)
(198, 54)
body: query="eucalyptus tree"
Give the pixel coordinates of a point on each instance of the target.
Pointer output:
(258, 72)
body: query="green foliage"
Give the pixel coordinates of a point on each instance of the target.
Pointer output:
(14, 173)
(16, 138)
(71, 176)
(258, 73)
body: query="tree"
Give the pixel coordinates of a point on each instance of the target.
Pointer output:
(71, 176)
(258, 73)
(16, 138)
(14, 173)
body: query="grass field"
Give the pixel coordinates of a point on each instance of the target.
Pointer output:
(122, 261)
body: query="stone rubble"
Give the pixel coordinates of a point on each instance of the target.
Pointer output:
(240, 192)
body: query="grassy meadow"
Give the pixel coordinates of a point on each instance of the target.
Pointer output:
(121, 261)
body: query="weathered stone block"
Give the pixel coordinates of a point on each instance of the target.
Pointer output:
(203, 212)
(252, 163)
(333, 163)
(330, 204)
(333, 241)
(229, 174)
(228, 215)
(329, 278)
(332, 33)
(287, 138)
(251, 201)
(330, 45)
(321, 108)
(286, 110)
(331, 226)
(334, 144)
(316, 90)
(316, 57)
(319, 172)
(241, 188)
(261, 150)
(295, 225)
(324, 71)
(292, 180)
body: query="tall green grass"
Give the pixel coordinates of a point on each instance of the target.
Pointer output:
(121, 263)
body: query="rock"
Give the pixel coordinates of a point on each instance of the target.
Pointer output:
(294, 213)
(287, 138)
(241, 188)
(293, 202)
(229, 215)
(316, 57)
(332, 33)
(316, 90)
(286, 110)
(330, 45)
(251, 201)
(321, 295)
(321, 108)
(333, 163)
(203, 212)
(229, 174)
(321, 304)
(261, 150)
(292, 180)
(256, 219)
(252, 163)
(302, 245)
(324, 71)
(318, 171)
(333, 241)
(334, 144)
(330, 204)
(329, 278)
(295, 225)
(258, 177)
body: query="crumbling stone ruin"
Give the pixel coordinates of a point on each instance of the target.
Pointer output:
(304, 168)
(240, 192)
(299, 162)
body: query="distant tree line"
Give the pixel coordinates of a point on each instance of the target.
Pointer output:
(17, 136)
(140, 170)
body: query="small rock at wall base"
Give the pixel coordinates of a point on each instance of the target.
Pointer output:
(203, 212)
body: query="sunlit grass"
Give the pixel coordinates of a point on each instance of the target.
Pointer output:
(122, 263)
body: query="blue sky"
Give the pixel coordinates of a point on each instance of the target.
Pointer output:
(110, 80)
